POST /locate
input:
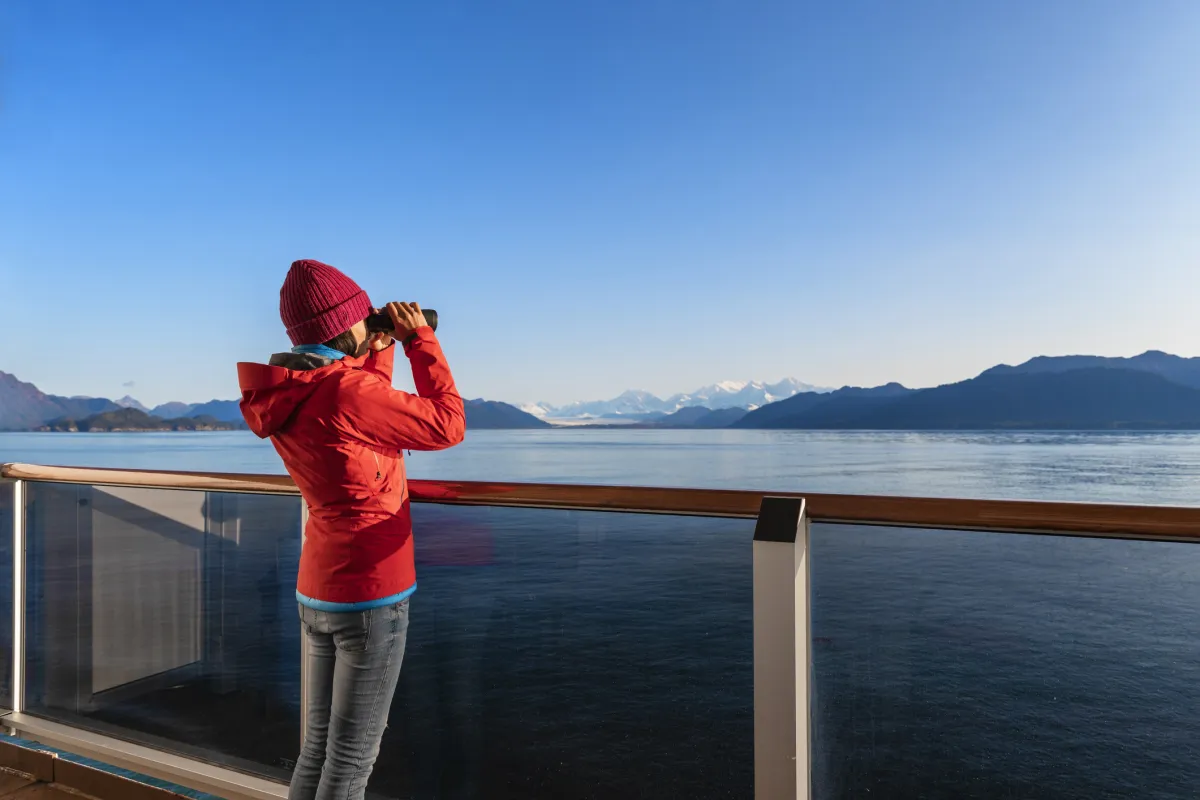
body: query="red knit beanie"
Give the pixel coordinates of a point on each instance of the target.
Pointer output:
(318, 302)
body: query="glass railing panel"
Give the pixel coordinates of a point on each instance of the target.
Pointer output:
(555, 653)
(7, 517)
(168, 618)
(953, 664)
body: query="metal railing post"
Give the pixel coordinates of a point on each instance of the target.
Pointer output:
(782, 651)
(18, 545)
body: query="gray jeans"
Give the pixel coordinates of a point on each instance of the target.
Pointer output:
(353, 665)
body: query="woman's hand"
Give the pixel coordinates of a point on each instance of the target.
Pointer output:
(379, 341)
(406, 317)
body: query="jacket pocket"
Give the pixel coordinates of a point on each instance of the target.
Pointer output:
(371, 470)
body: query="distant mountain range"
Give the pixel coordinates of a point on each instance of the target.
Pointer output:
(24, 407)
(132, 419)
(643, 406)
(694, 417)
(1152, 391)
(1184, 371)
(828, 408)
(129, 402)
(701, 417)
(489, 414)
(223, 410)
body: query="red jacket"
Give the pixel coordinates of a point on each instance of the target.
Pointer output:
(340, 428)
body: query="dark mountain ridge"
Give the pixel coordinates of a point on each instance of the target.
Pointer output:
(841, 404)
(124, 420)
(1184, 371)
(493, 415)
(1096, 398)
(699, 417)
(23, 406)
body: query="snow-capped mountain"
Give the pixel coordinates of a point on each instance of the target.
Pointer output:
(539, 410)
(129, 402)
(639, 405)
(628, 404)
(741, 394)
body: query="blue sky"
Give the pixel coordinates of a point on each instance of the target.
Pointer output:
(600, 195)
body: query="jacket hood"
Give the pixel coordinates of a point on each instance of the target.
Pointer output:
(272, 392)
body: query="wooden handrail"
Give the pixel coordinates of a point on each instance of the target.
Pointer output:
(154, 479)
(1095, 519)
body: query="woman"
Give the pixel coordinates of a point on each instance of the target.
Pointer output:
(330, 410)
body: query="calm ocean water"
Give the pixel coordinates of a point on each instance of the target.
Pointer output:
(597, 655)
(1161, 468)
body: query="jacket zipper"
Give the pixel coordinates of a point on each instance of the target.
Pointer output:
(378, 473)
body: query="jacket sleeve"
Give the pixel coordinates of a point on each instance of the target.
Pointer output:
(381, 363)
(432, 419)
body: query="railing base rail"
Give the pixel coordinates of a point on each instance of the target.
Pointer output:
(178, 769)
